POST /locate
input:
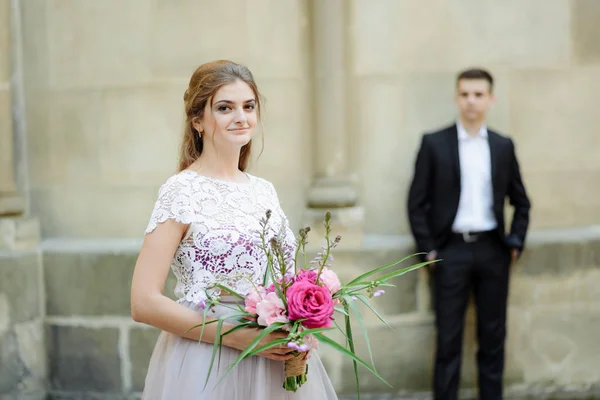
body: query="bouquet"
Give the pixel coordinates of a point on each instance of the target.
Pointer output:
(300, 298)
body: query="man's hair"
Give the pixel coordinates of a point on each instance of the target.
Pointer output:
(476, 73)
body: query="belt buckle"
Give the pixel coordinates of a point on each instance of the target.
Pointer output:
(469, 238)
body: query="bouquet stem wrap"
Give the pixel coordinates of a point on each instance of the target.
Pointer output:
(295, 372)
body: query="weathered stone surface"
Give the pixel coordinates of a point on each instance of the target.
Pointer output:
(84, 359)
(559, 259)
(349, 264)
(559, 200)
(141, 344)
(585, 15)
(91, 283)
(403, 357)
(5, 61)
(20, 282)
(11, 366)
(7, 181)
(451, 35)
(556, 344)
(88, 284)
(18, 233)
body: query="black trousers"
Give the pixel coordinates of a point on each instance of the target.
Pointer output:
(482, 267)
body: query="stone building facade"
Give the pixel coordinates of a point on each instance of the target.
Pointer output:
(91, 114)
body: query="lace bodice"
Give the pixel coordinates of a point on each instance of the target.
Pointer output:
(220, 245)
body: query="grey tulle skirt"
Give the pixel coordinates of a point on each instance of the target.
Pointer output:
(178, 369)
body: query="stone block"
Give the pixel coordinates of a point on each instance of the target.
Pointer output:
(21, 284)
(88, 284)
(84, 359)
(273, 48)
(91, 283)
(5, 60)
(7, 179)
(277, 46)
(440, 35)
(581, 286)
(119, 211)
(86, 51)
(23, 362)
(11, 367)
(556, 344)
(141, 344)
(19, 233)
(560, 200)
(559, 260)
(585, 15)
(403, 357)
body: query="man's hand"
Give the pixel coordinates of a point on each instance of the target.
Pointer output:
(514, 255)
(432, 255)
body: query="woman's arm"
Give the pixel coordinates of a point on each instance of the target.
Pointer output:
(150, 306)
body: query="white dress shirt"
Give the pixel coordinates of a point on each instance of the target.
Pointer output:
(475, 207)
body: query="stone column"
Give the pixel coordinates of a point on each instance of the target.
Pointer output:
(332, 188)
(10, 202)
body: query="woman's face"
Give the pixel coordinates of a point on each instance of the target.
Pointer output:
(230, 118)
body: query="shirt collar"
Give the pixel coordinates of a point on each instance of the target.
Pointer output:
(462, 133)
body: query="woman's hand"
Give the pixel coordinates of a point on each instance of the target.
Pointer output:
(243, 337)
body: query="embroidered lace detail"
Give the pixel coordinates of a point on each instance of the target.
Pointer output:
(220, 245)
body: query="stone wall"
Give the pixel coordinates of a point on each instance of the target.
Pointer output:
(554, 319)
(545, 57)
(350, 86)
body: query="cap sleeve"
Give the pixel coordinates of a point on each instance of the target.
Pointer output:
(174, 202)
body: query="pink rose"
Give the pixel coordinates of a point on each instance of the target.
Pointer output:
(310, 301)
(271, 309)
(330, 280)
(252, 299)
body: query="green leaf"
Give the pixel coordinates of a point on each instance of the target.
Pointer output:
(350, 342)
(217, 341)
(364, 330)
(340, 310)
(374, 271)
(403, 271)
(314, 330)
(267, 346)
(252, 345)
(368, 304)
(324, 339)
(230, 291)
(340, 329)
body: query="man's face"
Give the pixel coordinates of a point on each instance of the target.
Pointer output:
(473, 98)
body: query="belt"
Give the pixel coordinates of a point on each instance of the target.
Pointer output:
(472, 236)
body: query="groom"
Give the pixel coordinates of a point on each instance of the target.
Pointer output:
(463, 175)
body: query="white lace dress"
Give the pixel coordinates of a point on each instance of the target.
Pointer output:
(220, 246)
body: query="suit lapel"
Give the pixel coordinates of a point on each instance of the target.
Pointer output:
(453, 146)
(494, 154)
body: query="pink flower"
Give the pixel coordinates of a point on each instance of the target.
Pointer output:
(270, 310)
(330, 280)
(252, 299)
(310, 302)
(309, 275)
(311, 341)
(288, 279)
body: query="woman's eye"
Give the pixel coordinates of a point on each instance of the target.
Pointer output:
(250, 107)
(223, 108)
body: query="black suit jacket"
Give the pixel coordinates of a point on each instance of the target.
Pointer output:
(435, 190)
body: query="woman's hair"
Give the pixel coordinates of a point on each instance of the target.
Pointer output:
(204, 84)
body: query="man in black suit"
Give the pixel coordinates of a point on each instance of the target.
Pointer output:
(463, 175)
